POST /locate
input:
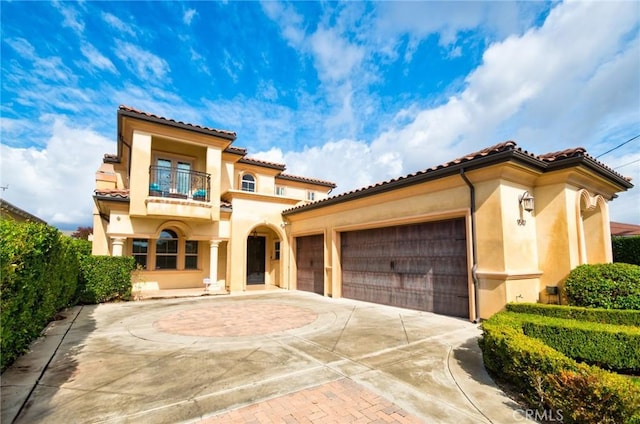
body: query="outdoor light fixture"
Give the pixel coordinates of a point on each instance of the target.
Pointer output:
(526, 200)
(254, 234)
(526, 203)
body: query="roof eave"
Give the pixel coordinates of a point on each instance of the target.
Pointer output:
(174, 124)
(424, 176)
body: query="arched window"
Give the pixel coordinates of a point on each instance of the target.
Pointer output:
(167, 250)
(248, 183)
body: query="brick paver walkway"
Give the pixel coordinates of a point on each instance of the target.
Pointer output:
(341, 401)
(236, 320)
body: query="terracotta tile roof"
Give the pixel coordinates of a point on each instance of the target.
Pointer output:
(110, 158)
(500, 152)
(228, 134)
(11, 209)
(563, 154)
(113, 193)
(306, 180)
(123, 194)
(263, 163)
(236, 150)
(621, 229)
(576, 153)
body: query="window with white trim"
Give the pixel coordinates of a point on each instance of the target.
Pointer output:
(279, 191)
(248, 183)
(311, 196)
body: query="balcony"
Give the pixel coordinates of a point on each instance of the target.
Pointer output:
(179, 183)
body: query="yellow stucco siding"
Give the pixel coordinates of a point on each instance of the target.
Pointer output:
(518, 252)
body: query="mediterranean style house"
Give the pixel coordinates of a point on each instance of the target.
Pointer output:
(463, 238)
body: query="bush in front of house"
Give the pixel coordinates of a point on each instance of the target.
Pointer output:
(549, 380)
(612, 347)
(105, 278)
(39, 268)
(605, 316)
(626, 249)
(609, 286)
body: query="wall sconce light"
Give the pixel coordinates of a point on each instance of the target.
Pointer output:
(254, 233)
(526, 201)
(283, 224)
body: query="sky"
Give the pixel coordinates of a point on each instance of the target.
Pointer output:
(355, 92)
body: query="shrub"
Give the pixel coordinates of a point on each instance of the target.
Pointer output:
(613, 347)
(626, 249)
(105, 278)
(39, 276)
(590, 395)
(605, 316)
(549, 380)
(610, 286)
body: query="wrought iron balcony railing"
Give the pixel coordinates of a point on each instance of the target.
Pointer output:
(179, 183)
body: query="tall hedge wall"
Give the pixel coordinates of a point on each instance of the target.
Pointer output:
(40, 269)
(626, 249)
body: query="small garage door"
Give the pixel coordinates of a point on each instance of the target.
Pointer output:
(420, 266)
(310, 263)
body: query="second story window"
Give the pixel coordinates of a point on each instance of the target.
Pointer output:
(311, 196)
(248, 183)
(279, 191)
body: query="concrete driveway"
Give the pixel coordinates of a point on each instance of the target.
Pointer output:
(281, 357)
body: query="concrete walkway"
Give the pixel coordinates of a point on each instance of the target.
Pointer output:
(280, 357)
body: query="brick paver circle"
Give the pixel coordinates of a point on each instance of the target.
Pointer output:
(236, 320)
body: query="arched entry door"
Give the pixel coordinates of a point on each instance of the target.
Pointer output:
(256, 254)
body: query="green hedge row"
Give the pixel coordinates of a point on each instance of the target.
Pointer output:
(605, 316)
(549, 380)
(40, 269)
(612, 347)
(609, 286)
(42, 272)
(105, 278)
(626, 249)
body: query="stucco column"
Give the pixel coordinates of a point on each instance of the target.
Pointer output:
(117, 246)
(213, 265)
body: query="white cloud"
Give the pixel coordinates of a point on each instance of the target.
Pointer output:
(70, 14)
(50, 182)
(97, 59)
(22, 47)
(523, 75)
(116, 23)
(336, 58)
(144, 64)
(188, 15)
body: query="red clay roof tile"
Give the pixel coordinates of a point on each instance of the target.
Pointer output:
(172, 121)
(306, 180)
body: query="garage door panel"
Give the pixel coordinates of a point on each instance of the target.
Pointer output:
(310, 263)
(421, 266)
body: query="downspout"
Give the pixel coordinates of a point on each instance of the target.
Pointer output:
(474, 245)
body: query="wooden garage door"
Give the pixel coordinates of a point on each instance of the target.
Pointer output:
(310, 263)
(421, 266)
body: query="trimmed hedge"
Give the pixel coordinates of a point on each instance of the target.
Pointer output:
(609, 286)
(626, 249)
(612, 347)
(40, 269)
(605, 316)
(549, 380)
(105, 278)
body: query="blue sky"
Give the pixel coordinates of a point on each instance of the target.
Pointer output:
(355, 92)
